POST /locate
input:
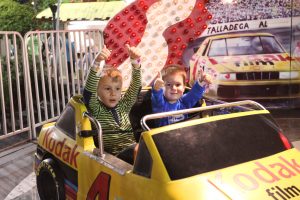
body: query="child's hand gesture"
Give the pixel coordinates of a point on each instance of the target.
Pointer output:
(159, 83)
(134, 54)
(103, 55)
(204, 78)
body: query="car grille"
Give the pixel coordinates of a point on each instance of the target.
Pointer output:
(257, 76)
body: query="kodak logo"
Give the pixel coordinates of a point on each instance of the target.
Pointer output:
(60, 148)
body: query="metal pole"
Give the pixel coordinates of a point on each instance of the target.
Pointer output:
(57, 40)
(53, 10)
(291, 43)
(57, 17)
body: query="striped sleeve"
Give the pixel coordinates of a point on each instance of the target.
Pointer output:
(90, 90)
(132, 92)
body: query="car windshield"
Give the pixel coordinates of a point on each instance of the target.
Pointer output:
(218, 144)
(246, 45)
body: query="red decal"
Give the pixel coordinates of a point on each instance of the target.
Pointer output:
(213, 61)
(60, 149)
(195, 70)
(264, 174)
(288, 58)
(74, 155)
(100, 187)
(292, 164)
(47, 134)
(246, 182)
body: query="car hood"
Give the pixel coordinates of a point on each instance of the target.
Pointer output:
(251, 63)
(264, 178)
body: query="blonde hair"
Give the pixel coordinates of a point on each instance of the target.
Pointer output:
(172, 70)
(112, 73)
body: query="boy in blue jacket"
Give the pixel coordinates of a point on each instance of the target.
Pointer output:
(167, 93)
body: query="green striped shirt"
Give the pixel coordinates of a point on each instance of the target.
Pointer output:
(116, 136)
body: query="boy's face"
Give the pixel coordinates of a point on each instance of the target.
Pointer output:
(174, 87)
(109, 91)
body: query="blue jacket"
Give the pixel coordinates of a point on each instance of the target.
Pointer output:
(188, 100)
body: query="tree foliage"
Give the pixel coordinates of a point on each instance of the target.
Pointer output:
(41, 5)
(16, 17)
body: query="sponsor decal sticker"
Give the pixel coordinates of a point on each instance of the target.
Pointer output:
(259, 60)
(60, 148)
(276, 178)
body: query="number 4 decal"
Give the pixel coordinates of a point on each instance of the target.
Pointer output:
(100, 187)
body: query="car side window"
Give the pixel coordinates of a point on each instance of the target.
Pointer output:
(67, 122)
(270, 45)
(143, 161)
(238, 45)
(255, 46)
(218, 48)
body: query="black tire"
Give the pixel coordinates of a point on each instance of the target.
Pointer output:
(50, 181)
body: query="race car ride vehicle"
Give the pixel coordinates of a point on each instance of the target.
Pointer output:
(223, 151)
(247, 66)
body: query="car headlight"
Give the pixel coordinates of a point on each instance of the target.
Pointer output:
(227, 77)
(288, 75)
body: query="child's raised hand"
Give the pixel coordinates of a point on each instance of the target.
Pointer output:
(103, 55)
(159, 83)
(203, 77)
(134, 53)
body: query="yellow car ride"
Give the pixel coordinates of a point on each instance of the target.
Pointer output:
(247, 66)
(223, 151)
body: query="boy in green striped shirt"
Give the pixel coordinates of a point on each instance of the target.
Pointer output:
(102, 95)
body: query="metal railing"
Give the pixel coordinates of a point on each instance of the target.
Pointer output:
(14, 99)
(253, 104)
(39, 73)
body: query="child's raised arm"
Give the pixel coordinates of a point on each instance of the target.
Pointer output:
(135, 85)
(103, 55)
(158, 83)
(98, 63)
(134, 55)
(204, 79)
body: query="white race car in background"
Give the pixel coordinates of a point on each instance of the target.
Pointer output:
(247, 66)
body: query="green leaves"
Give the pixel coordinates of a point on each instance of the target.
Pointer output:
(15, 16)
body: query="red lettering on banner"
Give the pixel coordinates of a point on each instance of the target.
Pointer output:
(264, 174)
